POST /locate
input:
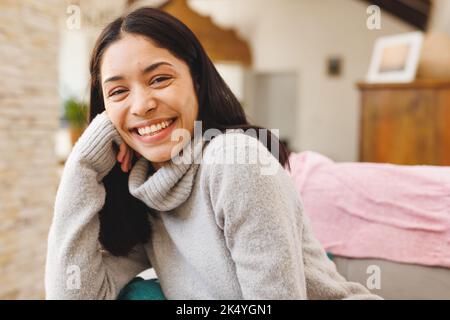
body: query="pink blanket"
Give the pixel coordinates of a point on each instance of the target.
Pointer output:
(369, 210)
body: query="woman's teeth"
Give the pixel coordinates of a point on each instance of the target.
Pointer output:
(154, 128)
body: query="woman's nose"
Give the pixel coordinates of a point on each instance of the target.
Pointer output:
(142, 104)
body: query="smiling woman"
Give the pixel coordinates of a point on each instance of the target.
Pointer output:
(211, 230)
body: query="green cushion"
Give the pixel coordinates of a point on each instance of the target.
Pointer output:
(141, 289)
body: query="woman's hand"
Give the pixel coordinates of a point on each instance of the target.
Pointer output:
(125, 156)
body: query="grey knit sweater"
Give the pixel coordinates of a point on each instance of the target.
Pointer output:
(221, 230)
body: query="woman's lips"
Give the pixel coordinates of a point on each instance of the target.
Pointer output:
(158, 136)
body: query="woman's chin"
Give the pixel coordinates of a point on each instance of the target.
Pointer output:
(157, 158)
(162, 153)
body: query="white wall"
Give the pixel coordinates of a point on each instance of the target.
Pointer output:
(440, 19)
(73, 64)
(76, 43)
(298, 35)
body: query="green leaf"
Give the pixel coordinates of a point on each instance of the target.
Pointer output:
(76, 113)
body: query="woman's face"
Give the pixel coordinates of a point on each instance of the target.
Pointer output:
(148, 93)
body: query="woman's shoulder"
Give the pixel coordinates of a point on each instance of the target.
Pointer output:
(238, 166)
(242, 150)
(234, 140)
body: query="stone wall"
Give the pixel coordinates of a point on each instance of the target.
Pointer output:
(29, 112)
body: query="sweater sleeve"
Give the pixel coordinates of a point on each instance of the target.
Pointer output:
(260, 220)
(323, 280)
(270, 241)
(76, 265)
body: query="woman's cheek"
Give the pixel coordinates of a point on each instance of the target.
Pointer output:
(117, 118)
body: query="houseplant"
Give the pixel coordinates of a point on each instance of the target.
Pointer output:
(75, 113)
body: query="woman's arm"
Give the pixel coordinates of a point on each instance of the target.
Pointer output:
(76, 266)
(260, 218)
(323, 280)
(269, 238)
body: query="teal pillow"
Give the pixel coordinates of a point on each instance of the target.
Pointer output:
(141, 289)
(330, 255)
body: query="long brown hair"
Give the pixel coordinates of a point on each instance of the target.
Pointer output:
(124, 219)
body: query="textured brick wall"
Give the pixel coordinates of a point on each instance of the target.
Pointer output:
(29, 111)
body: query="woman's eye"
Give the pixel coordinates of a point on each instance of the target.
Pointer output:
(159, 80)
(117, 92)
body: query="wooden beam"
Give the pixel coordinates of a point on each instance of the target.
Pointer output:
(414, 12)
(221, 44)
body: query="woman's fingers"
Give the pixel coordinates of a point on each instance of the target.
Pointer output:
(125, 162)
(121, 153)
(125, 156)
(121, 156)
(130, 158)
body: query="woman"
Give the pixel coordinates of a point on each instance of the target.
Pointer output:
(211, 229)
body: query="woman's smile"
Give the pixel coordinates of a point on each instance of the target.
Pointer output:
(154, 131)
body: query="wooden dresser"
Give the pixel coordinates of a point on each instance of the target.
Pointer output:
(405, 123)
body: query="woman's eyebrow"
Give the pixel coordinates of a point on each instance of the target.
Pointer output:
(154, 66)
(148, 69)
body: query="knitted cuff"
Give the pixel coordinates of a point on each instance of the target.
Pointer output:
(95, 146)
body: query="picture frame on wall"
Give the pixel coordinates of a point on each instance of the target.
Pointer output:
(395, 58)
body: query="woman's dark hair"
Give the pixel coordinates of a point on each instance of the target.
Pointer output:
(124, 219)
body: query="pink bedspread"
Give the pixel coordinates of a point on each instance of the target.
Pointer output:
(368, 210)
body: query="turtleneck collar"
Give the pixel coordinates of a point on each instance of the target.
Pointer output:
(169, 186)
